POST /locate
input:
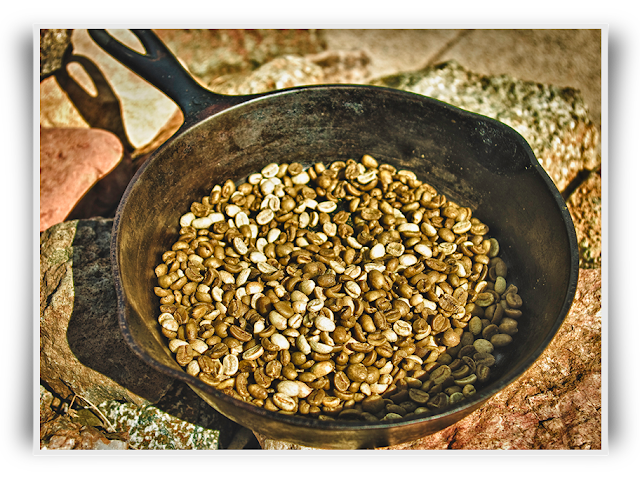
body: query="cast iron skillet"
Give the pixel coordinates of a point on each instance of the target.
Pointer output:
(473, 160)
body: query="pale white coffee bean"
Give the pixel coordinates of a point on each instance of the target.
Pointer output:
(243, 276)
(408, 228)
(232, 210)
(277, 320)
(273, 235)
(241, 219)
(199, 346)
(266, 268)
(377, 251)
(289, 388)
(424, 250)
(320, 369)
(193, 368)
(230, 365)
(265, 216)
(164, 317)
(255, 178)
(352, 289)
(327, 206)
(324, 323)
(270, 170)
(267, 186)
(257, 257)
(186, 219)
(315, 305)
(240, 246)
(176, 343)
(280, 341)
(295, 320)
(395, 248)
(320, 347)
(402, 328)
(302, 344)
(201, 223)
(407, 260)
(301, 179)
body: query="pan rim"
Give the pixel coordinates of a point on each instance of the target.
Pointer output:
(344, 425)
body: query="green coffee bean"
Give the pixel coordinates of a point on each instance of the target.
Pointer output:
(396, 291)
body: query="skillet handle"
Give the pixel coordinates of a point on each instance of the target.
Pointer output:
(160, 67)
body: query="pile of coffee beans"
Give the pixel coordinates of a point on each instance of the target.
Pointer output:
(348, 291)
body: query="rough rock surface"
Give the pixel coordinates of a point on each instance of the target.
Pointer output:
(81, 349)
(585, 206)
(53, 44)
(554, 121)
(113, 425)
(212, 54)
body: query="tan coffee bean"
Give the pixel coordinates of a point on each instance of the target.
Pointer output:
(361, 347)
(278, 320)
(513, 300)
(341, 381)
(184, 355)
(402, 328)
(373, 403)
(241, 384)
(357, 372)
(450, 338)
(483, 346)
(377, 280)
(418, 396)
(440, 374)
(340, 335)
(484, 359)
(501, 340)
(284, 309)
(508, 326)
(284, 402)
(240, 334)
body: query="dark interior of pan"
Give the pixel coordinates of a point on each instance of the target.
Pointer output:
(473, 160)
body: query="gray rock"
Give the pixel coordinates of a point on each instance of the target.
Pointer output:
(53, 44)
(150, 428)
(82, 351)
(553, 120)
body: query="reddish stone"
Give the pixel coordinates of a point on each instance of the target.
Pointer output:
(72, 160)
